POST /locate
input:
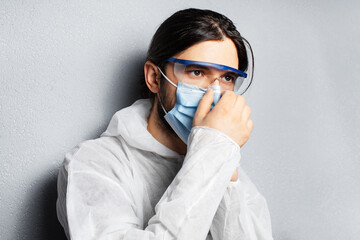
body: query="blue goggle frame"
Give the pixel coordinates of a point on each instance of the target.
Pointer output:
(208, 64)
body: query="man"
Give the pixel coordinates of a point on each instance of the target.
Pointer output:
(168, 167)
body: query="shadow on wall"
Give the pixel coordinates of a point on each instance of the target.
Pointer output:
(129, 82)
(52, 228)
(39, 219)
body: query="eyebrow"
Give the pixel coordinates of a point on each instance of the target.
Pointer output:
(208, 68)
(197, 66)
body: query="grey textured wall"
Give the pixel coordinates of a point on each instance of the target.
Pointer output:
(66, 67)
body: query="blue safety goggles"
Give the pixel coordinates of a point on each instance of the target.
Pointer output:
(208, 64)
(204, 73)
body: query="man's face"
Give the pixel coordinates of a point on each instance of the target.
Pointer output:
(221, 52)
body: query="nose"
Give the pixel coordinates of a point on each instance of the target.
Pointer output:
(215, 82)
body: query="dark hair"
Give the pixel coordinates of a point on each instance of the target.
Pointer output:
(188, 27)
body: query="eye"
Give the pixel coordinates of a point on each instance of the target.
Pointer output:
(228, 78)
(196, 73)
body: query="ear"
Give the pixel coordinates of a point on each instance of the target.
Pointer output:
(152, 77)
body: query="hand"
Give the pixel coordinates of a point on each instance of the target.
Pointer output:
(234, 177)
(230, 115)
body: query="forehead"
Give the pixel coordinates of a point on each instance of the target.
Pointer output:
(221, 52)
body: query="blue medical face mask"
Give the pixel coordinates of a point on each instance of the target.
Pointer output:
(180, 118)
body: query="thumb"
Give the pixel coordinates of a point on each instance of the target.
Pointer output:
(204, 105)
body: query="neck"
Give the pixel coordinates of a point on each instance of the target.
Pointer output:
(159, 131)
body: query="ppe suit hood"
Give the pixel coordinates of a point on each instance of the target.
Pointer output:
(131, 124)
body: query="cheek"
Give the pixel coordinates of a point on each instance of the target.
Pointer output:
(168, 93)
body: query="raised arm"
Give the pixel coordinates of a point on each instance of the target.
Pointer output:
(97, 207)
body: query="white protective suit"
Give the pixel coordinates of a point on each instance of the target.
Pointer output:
(126, 185)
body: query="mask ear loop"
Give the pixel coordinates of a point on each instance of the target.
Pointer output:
(158, 95)
(166, 77)
(162, 106)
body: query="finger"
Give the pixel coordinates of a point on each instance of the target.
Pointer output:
(204, 104)
(240, 102)
(234, 176)
(250, 125)
(245, 116)
(228, 95)
(227, 101)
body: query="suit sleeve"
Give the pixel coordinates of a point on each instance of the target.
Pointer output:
(243, 213)
(187, 208)
(99, 208)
